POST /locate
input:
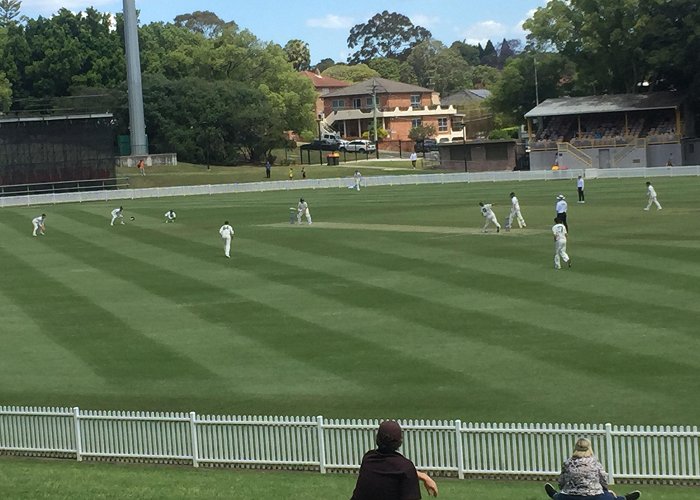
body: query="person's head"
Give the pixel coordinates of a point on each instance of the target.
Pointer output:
(301, 200)
(121, 208)
(389, 436)
(579, 176)
(43, 216)
(512, 194)
(648, 183)
(226, 223)
(582, 449)
(560, 197)
(481, 203)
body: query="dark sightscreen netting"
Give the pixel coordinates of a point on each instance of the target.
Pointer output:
(56, 150)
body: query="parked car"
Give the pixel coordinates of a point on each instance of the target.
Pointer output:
(318, 145)
(425, 146)
(360, 146)
(333, 138)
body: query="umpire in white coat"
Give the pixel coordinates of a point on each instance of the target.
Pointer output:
(561, 207)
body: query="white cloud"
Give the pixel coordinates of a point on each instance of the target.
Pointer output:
(330, 21)
(484, 31)
(424, 20)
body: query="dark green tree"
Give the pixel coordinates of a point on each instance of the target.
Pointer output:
(9, 11)
(470, 53)
(324, 64)
(489, 56)
(298, 54)
(205, 23)
(388, 34)
(351, 73)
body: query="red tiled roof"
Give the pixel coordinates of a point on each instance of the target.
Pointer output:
(321, 82)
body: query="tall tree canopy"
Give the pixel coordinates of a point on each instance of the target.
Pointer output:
(388, 34)
(204, 22)
(350, 73)
(298, 54)
(9, 11)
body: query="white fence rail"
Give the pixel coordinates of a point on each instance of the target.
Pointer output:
(385, 180)
(448, 446)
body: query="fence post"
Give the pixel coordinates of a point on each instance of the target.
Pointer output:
(460, 451)
(78, 438)
(609, 450)
(195, 443)
(321, 445)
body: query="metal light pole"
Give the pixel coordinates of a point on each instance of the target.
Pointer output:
(464, 143)
(320, 143)
(137, 125)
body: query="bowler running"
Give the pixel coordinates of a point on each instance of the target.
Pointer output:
(226, 232)
(487, 212)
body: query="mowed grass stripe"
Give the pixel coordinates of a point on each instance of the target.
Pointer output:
(100, 338)
(306, 341)
(211, 333)
(29, 355)
(492, 318)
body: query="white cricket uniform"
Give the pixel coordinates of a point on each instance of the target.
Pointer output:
(38, 223)
(117, 214)
(515, 213)
(226, 232)
(559, 232)
(303, 210)
(561, 207)
(358, 180)
(579, 183)
(170, 216)
(487, 212)
(651, 193)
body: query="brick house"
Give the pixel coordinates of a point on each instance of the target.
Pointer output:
(400, 107)
(323, 86)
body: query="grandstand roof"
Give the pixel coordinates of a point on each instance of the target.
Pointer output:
(605, 104)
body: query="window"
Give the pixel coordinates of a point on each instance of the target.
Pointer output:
(368, 102)
(442, 124)
(356, 103)
(338, 104)
(416, 122)
(415, 101)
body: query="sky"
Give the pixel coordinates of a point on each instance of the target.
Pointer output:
(325, 25)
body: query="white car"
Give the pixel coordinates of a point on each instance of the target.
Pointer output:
(359, 145)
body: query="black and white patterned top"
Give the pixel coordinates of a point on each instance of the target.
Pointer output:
(583, 477)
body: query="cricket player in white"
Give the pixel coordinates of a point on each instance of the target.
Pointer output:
(561, 208)
(487, 212)
(38, 223)
(358, 179)
(515, 213)
(559, 232)
(117, 214)
(303, 209)
(170, 216)
(226, 232)
(580, 183)
(651, 193)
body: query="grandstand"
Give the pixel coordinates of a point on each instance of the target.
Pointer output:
(610, 131)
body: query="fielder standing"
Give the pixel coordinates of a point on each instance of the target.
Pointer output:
(358, 179)
(38, 223)
(170, 216)
(559, 232)
(515, 213)
(303, 209)
(487, 212)
(561, 207)
(579, 187)
(226, 232)
(117, 213)
(651, 193)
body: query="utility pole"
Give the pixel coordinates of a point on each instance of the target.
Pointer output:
(137, 125)
(537, 88)
(374, 116)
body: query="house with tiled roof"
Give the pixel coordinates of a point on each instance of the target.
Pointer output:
(323, 86)
(400, 107)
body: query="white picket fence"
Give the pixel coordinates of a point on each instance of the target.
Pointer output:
(451, 447)
(344, 182)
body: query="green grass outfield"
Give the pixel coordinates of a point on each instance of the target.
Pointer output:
(391, 305)
(47, 480)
